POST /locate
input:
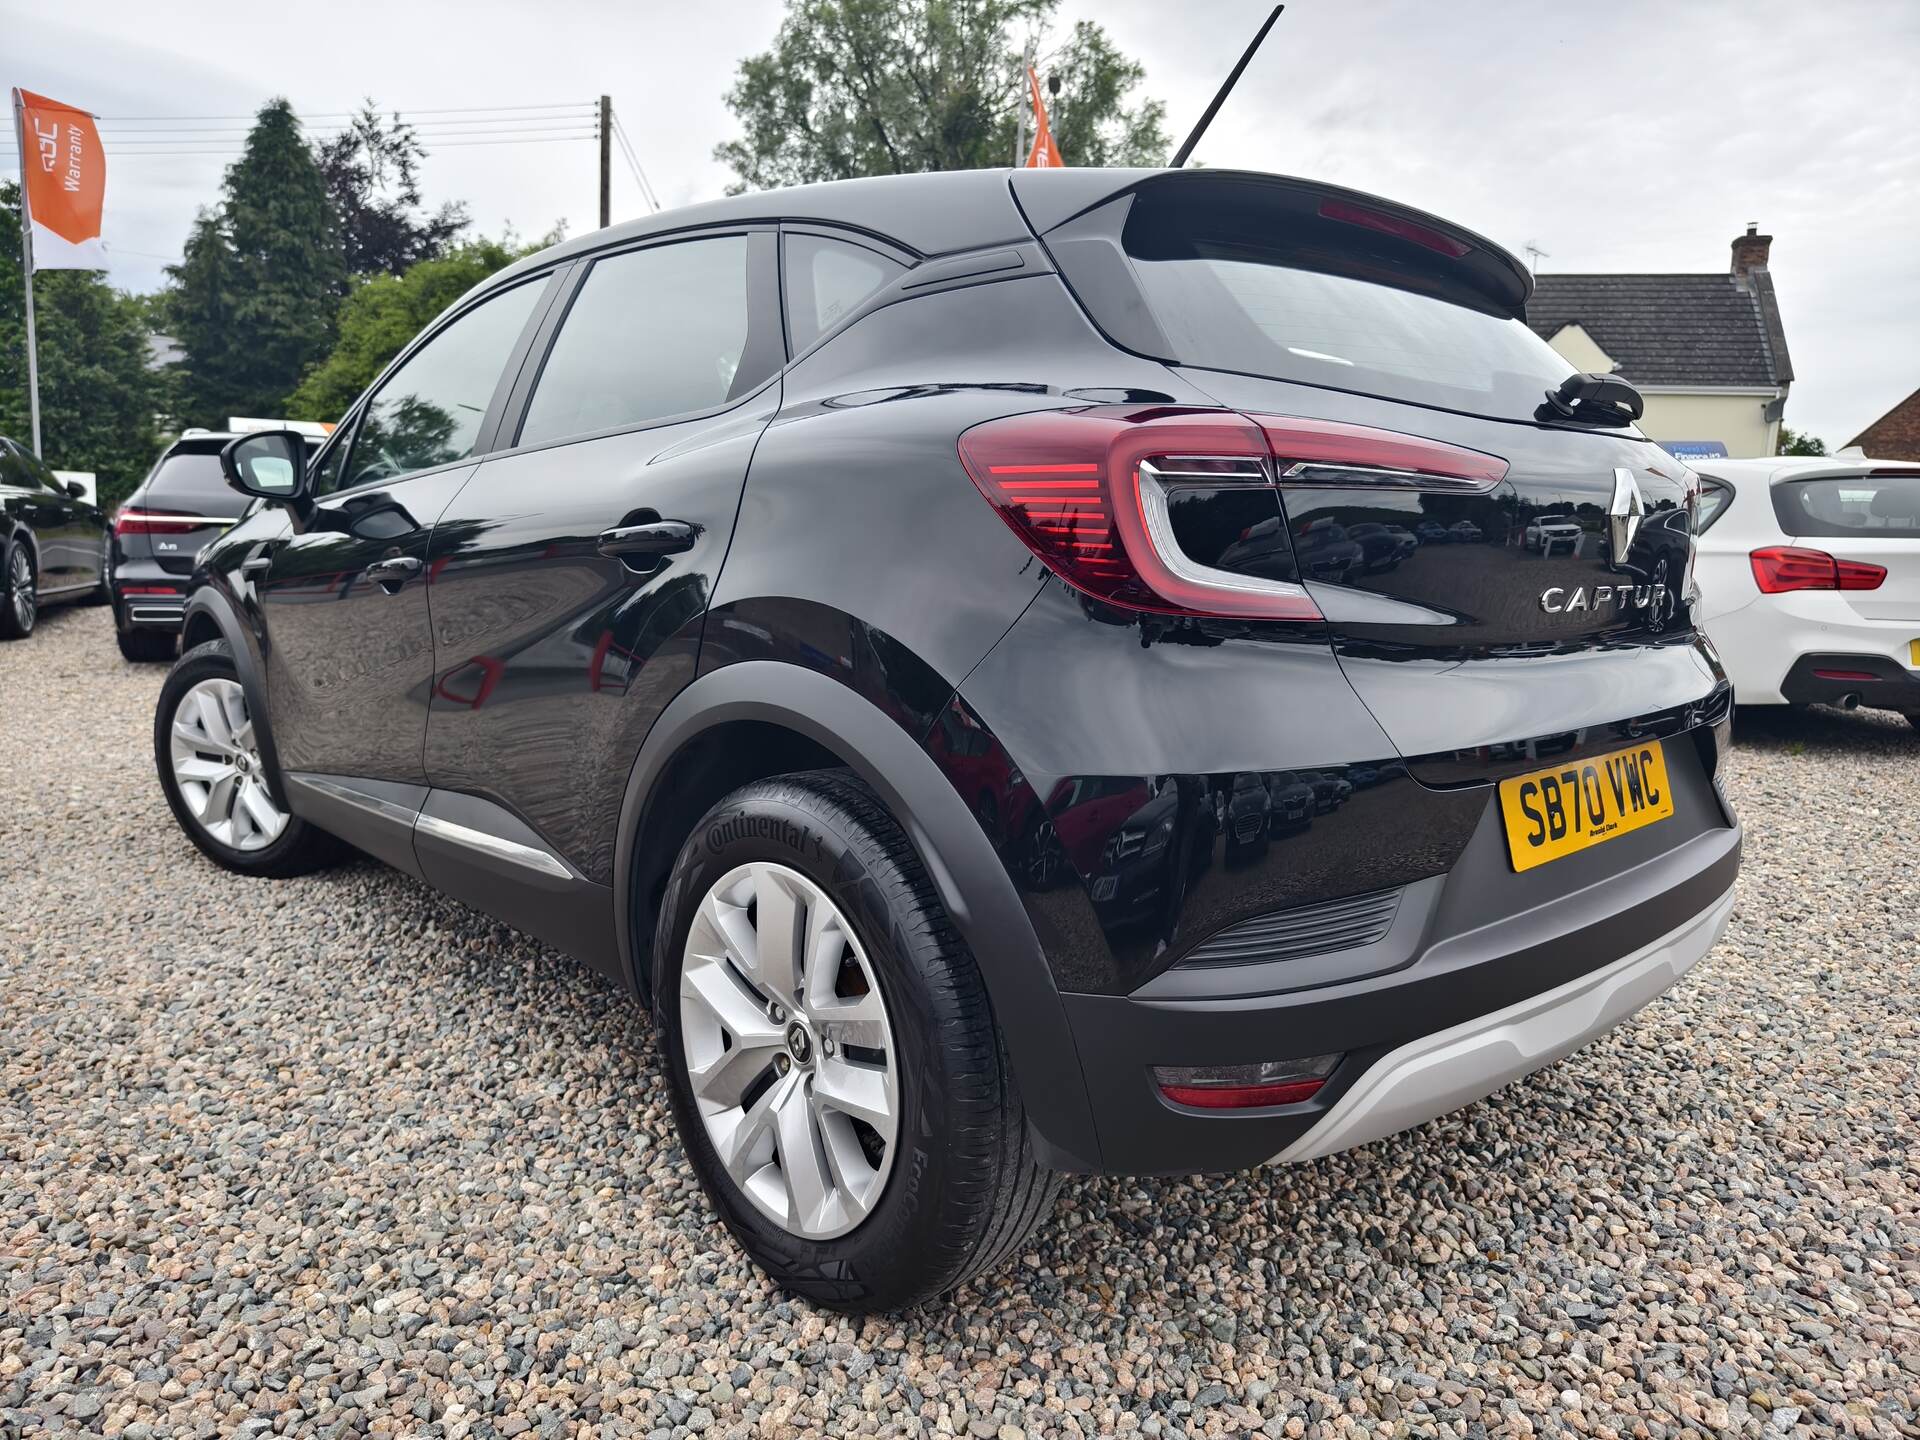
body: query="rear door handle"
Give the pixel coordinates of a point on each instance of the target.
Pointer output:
(662, 537)
(256, 565)
(394, 571)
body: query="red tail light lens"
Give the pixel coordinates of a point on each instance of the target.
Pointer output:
(1245, 1087)
(1780, 568)
(1069, 484)
(157, 522)
(1085, 490)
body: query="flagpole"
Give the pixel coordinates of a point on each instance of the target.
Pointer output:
(26, 269)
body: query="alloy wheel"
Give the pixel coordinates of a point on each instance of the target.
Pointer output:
(21, 593)
(789, 1050)
(216, 763)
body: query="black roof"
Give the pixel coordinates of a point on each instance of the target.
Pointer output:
(1671, 329)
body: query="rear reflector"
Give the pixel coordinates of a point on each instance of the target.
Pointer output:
(1852, 676)
(1245, 1087)
(149, 589)
(1780, 568)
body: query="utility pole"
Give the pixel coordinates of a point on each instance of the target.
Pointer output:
(606, 161)
(26, 268)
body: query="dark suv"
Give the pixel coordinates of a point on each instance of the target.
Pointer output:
(183, 503)
(861, 618)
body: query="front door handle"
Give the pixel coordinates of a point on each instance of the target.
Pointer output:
(662, 537)
(394, 571)
(255, 565)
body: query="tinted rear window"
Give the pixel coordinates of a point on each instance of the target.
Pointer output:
(1883, 506)
(190, 482)
(1266, 289)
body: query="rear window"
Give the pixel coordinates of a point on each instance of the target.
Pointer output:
(190, 482)
(1885, 506)
(1270, 288)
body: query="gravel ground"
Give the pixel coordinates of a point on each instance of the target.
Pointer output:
(337, 1156)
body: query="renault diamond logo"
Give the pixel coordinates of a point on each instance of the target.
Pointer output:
(1624, 514)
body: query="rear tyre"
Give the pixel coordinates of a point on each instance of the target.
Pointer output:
(832, 1060)
(1913, 718)
(208, 755)
(19, 592)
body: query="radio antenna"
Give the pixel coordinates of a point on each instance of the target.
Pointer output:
(1219, 99)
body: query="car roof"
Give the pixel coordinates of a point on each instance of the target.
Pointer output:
(944, 212)
(1777, 469)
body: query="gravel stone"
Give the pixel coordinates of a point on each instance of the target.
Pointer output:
(339, 1157)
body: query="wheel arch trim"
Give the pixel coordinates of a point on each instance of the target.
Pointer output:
(971, 881)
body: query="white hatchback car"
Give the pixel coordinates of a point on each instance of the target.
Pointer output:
(1809, 576)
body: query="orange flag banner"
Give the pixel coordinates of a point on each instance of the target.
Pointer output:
(64, 172)
(1044, 151)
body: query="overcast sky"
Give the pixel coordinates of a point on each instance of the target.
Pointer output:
(1632, 136)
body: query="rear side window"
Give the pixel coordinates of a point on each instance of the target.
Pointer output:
(191, 483)
(428, 412)
(1885, 506)
(1325, 292)
(825, 279)
(1715, 496)
(650, 334)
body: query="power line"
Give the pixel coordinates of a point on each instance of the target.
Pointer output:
(633, 163)
(113, 143)
(349, 114)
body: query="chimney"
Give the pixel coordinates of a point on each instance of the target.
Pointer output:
(1750, 251)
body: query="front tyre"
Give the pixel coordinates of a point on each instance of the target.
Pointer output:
(210, 768)
(832, 1059)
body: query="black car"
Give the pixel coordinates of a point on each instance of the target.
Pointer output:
(636, 602)
(183, 503)
(52, 541)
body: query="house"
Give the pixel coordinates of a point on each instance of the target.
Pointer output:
(1707, 351)
(1895, 435)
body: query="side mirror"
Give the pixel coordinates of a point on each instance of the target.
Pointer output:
(75, 490)
(271, 464)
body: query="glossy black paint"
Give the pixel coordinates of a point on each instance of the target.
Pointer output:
(1093, 791)
(66, 537)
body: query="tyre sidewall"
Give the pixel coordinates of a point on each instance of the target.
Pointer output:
(867, 1266)
(10, 626)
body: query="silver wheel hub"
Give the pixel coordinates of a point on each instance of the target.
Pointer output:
(216, 764)
(20, 590)
(789, 1050)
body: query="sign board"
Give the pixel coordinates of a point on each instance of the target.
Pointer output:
(86, 478)
(1695, 449)
(318, 429)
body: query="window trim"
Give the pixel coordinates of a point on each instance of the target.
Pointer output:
(1714, 482)
(349, 427)
(765, 343)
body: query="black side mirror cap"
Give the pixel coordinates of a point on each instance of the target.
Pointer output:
(269, 464)
(75, 490)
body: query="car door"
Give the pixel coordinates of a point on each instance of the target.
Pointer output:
(66, 530)
(569, 577)
(342, 595)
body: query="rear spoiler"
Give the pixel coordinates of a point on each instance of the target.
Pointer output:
(1397, 238)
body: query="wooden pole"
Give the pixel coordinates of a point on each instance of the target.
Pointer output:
(606, 161)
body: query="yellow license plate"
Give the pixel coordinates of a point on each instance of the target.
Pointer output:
(1915, 645)
(1554, 812)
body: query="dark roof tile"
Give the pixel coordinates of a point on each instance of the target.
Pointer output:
(1665, 329)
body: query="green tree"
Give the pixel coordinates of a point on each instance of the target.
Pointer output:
(876, 87)
(381, 315)
(1798, 442)
(258, 289)
(372, 174)
(97, 396)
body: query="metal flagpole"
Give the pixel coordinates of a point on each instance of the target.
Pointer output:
(26, 269)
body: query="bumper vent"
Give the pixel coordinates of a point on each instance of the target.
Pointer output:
(1293, 934)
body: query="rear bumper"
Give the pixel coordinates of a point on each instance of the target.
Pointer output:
(136, 611)
(1873, 680)
(1450, 1068)
(1475, 1006)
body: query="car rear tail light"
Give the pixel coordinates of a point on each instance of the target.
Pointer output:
(1245, 1087)
(1780, 568)
(1086, 490)
(158, 522)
